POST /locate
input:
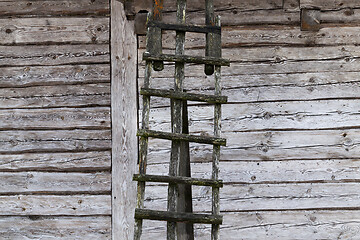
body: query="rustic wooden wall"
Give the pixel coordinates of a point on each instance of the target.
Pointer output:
(291, 166)
(55, 127)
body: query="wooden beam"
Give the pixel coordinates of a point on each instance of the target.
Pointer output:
(124, 122)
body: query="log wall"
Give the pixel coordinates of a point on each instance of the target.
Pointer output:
(55, 125)
(291, 165)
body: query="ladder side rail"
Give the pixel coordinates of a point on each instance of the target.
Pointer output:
(215, 228)
(144, 140)
(176, 118)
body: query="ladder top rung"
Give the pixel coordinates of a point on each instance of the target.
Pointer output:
(178, 180)
(182, 137)
(183, 95)
(177, 216)
(186, 59)
(185, 27)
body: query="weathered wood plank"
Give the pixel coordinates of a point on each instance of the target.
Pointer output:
(124, 122)
(55, 96)
(326, 114)
(329, 5)
(294, 171)
(54, 141)
(267, 197)
(71, 228)
(54, 75)
(170, 5)
(273, 145)
(282, 225)
(53, 55)
(59, 118)
(47, 8)
(51, 182)
(82, 161)
(53, 30)
(269, 35)
(50, 205)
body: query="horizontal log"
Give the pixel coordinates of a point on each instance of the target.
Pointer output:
(177, 217)
(329, 5)
(270, 35)
(273, 145)
(177, 180)
(87, 95)
(46, 8)
(35, 227)
(315, 115)
(54, 75)
(50, 205)
(59, 118)
(53, 30)
(266, 197)
(275, 225)
(185, 27)
(53, 55)
(13, 142)
(50, 182)
(81, 161)
(273, 172)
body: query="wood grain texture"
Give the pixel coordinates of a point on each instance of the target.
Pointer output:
(54, 141)
(282, 225)
(54, 75)
(36, 227)
(54, 55)
(81, 161)
(50, 182)
(329, 5)
(60, 118)
(51, 205)
(46, 8)
(53, 30)
(124, 122)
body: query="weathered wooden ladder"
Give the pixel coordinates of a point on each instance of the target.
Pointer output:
(154, 60)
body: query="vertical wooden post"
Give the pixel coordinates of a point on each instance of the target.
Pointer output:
(215, 229)
(124, 123)
(176, 117)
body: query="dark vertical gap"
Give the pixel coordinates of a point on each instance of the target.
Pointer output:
(137, 95)
(185, 230)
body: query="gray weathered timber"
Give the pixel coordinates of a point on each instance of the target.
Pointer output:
(35, 227)
(124, 122)
(49, 182)
(54, 30)
(55, 205)
(185, 27)
(78, 161)
(178, 180)
(53, 8)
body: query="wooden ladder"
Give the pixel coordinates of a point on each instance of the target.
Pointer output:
(154, 60)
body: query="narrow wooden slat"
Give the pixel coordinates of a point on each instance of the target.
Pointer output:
(177, 217)
(185, 27)
(182, 137)
(183, 96)
(178, 180)
(186, 59)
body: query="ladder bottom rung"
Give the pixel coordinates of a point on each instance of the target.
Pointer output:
(178, 180)
(181, 137)
(177, 216)
(183, 95)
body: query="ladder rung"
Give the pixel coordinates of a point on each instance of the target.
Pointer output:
(185, 27)
(186, 59)
(177, 216)
(183, 95)
(183, 137)
(178, 180)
